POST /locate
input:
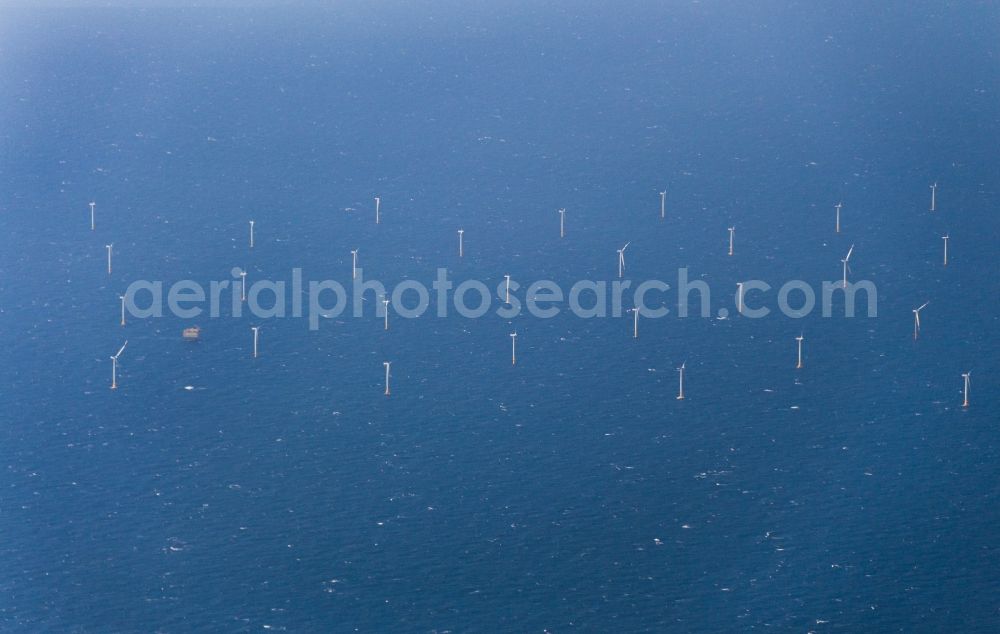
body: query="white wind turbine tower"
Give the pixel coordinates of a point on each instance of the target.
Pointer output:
(965, 390)
(916, 320)
(847, 267)
(934, 196)
(243, 285)
(256, 334)
(108, 247)
(799, 339)
(513, 348)
(354, 264)
(461, 246)
(663, 204)
(837, 207)
(385, 307)
(621, 259)
(387, 364)
(635, 322)
(732, 230)
(507, 278)
(114, 366)
(680, 382)
(92, 205)
(945, 238)
(562, 223)
(251, 234)
(378, 205)
(739, 297)
(122, 297)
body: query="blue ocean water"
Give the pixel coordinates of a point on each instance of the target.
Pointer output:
(571, 491)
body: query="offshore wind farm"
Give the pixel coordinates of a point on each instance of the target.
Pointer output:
(263, 475)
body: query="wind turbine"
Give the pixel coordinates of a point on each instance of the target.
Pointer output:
(378, 205)
(92, 205)
(507, 277)
(846, 265)
(461, 247)
(354, 264)
(663, 205)
(256, 333)
(243, 285)
(945, 238)
(621, 259)
(251, 234)
(739, 297)
(513, 348)
(916, 320)
(635, 322)
(838, 206)
(562, 223)
(799, 339)
(122, 297)
(934, 196)
(387, 364)
(114, 366)
(680, 379)
(967, 376)
(731, 231)
(108, 247)
(385, 305)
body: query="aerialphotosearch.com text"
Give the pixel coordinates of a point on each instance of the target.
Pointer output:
(472, 298)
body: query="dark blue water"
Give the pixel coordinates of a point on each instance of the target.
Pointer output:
(572, 491)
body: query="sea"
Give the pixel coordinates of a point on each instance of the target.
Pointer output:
(213, 491)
